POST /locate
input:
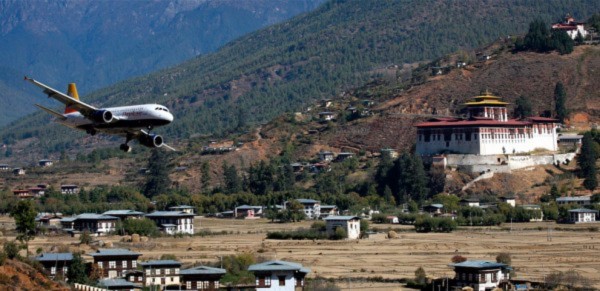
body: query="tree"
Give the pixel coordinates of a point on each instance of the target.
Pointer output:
(587, 162)
(76, 272)
(158, 181)
(24, 214)
(339, 233)
(504, 258)
(523, 107)
(560, 98)
(85, 238)
(205, 176)
(538, 37)
(420, 275)
(142, 226)
(11, 249)
(562, 42)
(232, 179)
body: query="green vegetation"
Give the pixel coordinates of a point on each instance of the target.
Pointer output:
(314, 56)
(560, 98)
(158, 180)
(141, 226)
(587, 161)
(24, 214)
(540, 38)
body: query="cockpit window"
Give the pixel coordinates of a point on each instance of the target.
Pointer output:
(162, 109)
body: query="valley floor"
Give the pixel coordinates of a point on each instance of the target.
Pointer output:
(535, 251)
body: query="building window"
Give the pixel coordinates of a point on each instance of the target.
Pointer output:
(267, 281)
(133, 264)
(148, 272)
(124, 264)
(281, 280)
(112, 264)
(53, 271)
(188, 285)
(216, 283)
(167, 271)
(100, 265)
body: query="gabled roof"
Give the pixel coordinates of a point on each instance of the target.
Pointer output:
(45, 257)
(160, 263)
(182, 207)
(122, 212)
(114, 252)
(203, 270)
(243, 207)
(340, 217)
(480, 265)
(277, 266)
(574, 198)
(94, 216)
(583, 210)
(117, 283)
(303, 201)
(168, 214)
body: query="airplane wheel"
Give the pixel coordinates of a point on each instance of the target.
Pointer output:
(125, 148)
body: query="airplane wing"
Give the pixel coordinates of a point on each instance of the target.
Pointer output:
(58, 115)
(137, 134)
(85, 109)
(163, 144)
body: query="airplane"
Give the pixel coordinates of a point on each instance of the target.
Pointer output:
(131, 122)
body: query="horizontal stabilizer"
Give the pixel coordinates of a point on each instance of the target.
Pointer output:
(51, 111)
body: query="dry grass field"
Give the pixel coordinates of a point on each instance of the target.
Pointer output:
(534, 253)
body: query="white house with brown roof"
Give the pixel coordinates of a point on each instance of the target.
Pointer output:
(571, 27)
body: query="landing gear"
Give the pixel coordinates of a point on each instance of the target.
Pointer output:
(124, 147)
(91, 131)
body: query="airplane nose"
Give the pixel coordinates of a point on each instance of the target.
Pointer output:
(169, 117)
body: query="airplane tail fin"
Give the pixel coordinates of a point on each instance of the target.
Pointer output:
(71, 91)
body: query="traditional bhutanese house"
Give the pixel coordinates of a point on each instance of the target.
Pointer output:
(351, 224)
(173, 222)
(124, 214)
(343, 156)
(161, 273)
(312, 208)
(135, 276)
(248, 211)
(536, 213)
(480, 275)
(279, 275)
(510, 200)
(56, 264)
(579, 200)
(49, 221)
(486, 131)
(202, 278)
(69, 189)
(325, 156)
(582, 215)
(115, 263)
(98, 224)
(18, 171)
(22, 194)
(297, 167)
(326, 116)
(183, 208)
(45, 163)
(570, 141)
(4, 167)
(117, 284)
(571, 27)
(37, 191)
(68, 223)
(472, 202)
(327, 210)
(433, 208)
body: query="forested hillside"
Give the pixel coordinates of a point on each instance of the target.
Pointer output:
(97, 43)
(342, 44)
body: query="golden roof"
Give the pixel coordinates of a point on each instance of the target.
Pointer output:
(486, 98)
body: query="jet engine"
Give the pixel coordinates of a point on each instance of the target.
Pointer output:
(102, 116)
(151, 140)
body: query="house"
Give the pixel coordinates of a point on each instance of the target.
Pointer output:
(297, 167)
(68, 223)
(510, 200)
(117, 284)
(326, 103)
(368, 103)
(326, 116)
(69, 189)
(248, 211)
(480, 275)
(571, 27)
(486, 131)
(22, 194)
(98, 224)
(433, 209)
(48, 220)
(327, 210)
(471, 202)
(202, 278)
(349, 223)
(536, 213)
(173, 222)
(45, 163)
(135, 276)
(279, 275)
(325, 156)
(582, 215)
(344, 156)
(312, 208)
(319, 168)
(161, 273)
(56, 264)
(124, 214)
(115, 263)
(570, 141)
(4, 167)
(392, 219)
(439, 161)
(579, 200)
(37, 191)
(19, 171)
(183, 208)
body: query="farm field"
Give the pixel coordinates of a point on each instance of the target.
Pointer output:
(535, 251)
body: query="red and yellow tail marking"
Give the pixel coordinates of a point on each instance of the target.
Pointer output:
(71, 91)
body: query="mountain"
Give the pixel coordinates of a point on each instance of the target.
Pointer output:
(97, 43)
(340, 45)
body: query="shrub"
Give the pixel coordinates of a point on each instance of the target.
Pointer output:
(340, 233)
(11, 249)
(458, 259)
(504, 258)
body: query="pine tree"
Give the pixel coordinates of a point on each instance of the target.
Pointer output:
(232, 179)
(587, 162)
(158, 181)
(560, 96)
(562, 42)
(76, 272)
(523, 108)
(205, 176)
(538, 37)
(24, 214)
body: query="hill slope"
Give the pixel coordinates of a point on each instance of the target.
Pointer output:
(314, 56)
(97, 43)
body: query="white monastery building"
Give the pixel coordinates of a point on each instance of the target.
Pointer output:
(571, 27)
(487, 130)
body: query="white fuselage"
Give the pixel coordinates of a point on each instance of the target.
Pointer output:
(126, 117)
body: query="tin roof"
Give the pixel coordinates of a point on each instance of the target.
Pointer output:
(203, 270)
(118, 283)
(168, 214)
(480, 265)
(160, 263)
(94, 216)
(45, 257)
(340, 217)
(583, 210)
(114, 252)
(277, 266)
(123, 212)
